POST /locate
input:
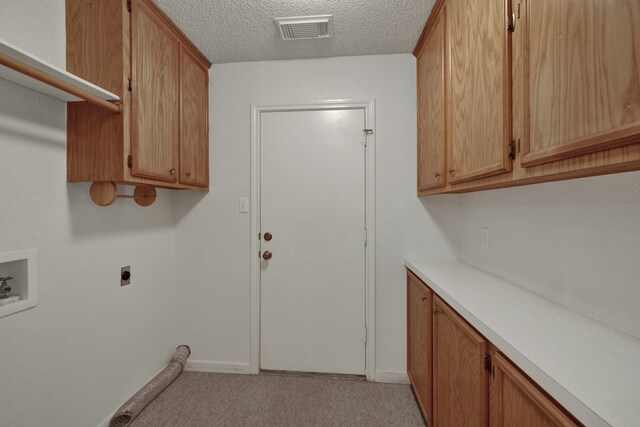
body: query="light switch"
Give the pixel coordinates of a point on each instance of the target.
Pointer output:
(243, 205)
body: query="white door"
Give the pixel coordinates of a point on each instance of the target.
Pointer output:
(313, 205)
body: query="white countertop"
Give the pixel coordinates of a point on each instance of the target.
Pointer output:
(592, 369)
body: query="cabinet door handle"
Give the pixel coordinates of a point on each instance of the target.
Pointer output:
(424, 299)
(172, 171)
(437, 175)
(188, 174)
(436, 311)
(452, 171)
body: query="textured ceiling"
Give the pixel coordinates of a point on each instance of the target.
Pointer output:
(244, 30)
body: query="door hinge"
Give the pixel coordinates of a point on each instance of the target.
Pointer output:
(487, 363)
(366, 237)
(129, 162)
(366, 133)
(130, 86)
(511, 151)
(129, 5)
(365, 334)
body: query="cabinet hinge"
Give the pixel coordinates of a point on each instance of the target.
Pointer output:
(511, 151)
(129, 162)
(511, 19)
(130, 85)
(366, 237)
(129, 5)
(365, 335)
(487, 363)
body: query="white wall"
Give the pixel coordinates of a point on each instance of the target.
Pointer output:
(212, 239)
(89, 344)
(575, 242)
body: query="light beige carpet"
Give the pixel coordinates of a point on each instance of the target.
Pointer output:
(201, 399)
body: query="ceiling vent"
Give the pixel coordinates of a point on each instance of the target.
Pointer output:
(306, 27)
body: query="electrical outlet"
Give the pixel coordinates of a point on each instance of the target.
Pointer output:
(243, 205)
(485, 237)
(125, 275)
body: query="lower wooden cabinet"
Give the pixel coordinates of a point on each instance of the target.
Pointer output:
(516, 401)
(419, 353)
(461, 379)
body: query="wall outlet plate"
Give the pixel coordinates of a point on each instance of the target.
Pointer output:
(125, 275)
(485, 237)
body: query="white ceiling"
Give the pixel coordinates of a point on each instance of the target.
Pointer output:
(244, 30)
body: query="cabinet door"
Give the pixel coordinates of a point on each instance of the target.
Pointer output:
(582, 77)
(194, 121)
(155, 118)
(431, 63)
(479, 103)
(460, 381)
(419, 349)
(515, 401)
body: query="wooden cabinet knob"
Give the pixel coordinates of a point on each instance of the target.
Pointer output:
(188, 174)
(172, 171)
(424, 299)
(452, 171)
(437, 175)
(267, 255)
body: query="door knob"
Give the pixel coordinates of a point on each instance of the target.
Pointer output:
(268, 236)
(267, 255)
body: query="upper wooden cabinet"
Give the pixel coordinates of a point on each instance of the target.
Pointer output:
(535, 91)
(479, 96)
(582, 77)
(432, 125)
(155, 113)
(134, 50)
(194, 121)
(419, 348)
(460, 381)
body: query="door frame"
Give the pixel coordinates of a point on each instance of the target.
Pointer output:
(368, 106)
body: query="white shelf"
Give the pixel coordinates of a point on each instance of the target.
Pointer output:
(591, 369)
(32, 61)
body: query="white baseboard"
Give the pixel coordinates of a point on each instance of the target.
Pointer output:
(218, 367)
(393, 377)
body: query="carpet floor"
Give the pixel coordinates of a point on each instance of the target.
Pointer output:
(199, 399)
